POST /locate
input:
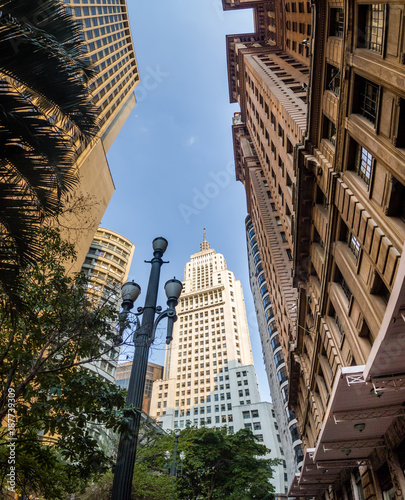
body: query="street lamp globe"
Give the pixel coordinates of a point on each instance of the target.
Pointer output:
(173, 288)
(160, 243)
(130, 291)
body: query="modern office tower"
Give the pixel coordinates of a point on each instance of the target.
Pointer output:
(209, 378)
(344, 196)
(107, 265)
(107, 40)
(153, 372)
(273, 357)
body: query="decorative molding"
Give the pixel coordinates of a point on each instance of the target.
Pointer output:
(343, 464)
(369, 414)
(385, 384)
(358, 444)
(355, 379)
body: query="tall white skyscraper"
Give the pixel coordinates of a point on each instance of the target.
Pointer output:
(209, 378)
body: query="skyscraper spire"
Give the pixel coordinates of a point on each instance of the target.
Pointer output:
(204, 245)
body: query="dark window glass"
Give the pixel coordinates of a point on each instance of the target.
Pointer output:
(364, 162)
(336, 23)
(332, 79)
(371, 26)
(366, 99)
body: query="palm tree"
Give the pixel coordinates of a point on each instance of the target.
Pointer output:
(45, 109)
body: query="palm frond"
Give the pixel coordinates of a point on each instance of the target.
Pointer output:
(45, 105)
(54, 71)
(41, 152)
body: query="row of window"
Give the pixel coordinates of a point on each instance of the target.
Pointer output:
(360, 159)
(304, 29)
(300, 48)
(205, 421)
(292, 7)
(201, 374)
(371, 25)
(278, 357)
(366, 100)
(201, 300)
(98, 2)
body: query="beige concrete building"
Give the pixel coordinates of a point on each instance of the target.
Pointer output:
(107, 39)
(153, 372)
(209, 378)
(107, 265)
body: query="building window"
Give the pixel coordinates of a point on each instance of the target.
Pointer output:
(371, 27)
(275, 342)
(366, 99)
(329, 131)
(278, 358)
(273, 121)
(294, 432)
(282, 375)
(345, 288)
(338, 324)
(396, 205)
(332, 79)
(336, 23)
(364, 162)
(354, 245)
(400, 135)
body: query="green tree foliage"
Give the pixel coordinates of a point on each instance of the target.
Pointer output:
(45, 107)
(151, 480)
(218, 465)
(56, 402)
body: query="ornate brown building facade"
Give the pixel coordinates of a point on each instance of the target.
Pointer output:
(319, 145)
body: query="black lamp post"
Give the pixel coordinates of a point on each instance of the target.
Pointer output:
(173, 465)
(143, 338)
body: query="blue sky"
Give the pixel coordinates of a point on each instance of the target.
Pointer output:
(172, 162)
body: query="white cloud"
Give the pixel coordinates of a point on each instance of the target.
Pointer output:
(191, 140)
